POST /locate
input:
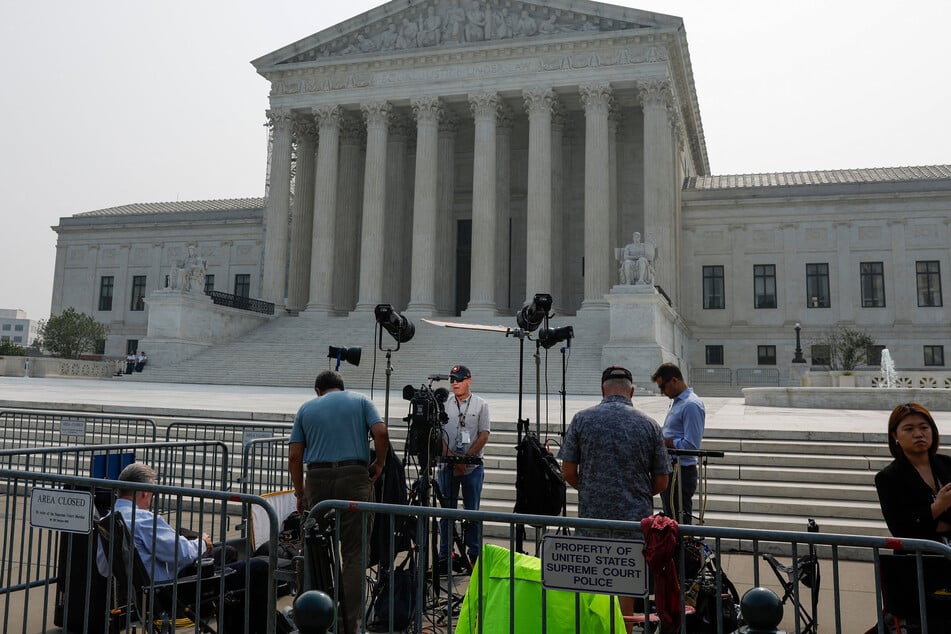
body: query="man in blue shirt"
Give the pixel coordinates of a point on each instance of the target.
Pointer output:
(683, 429)
(329, 436)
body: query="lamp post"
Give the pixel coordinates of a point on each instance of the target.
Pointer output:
(798, 358)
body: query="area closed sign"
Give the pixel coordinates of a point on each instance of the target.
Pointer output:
(602, 566)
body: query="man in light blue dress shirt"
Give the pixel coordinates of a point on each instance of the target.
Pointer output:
(683, 429)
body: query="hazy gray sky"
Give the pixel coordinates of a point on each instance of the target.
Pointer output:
(108, 102)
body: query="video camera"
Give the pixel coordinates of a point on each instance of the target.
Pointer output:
(427, 415)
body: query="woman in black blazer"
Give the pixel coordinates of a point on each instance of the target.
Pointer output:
(915, 489)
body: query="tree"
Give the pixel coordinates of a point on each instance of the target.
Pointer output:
(10, 349)
(71, 333)
(847, 347)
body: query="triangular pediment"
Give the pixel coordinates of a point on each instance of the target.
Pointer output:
(408, 25)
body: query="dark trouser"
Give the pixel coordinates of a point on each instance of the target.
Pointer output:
(683, 484)
(346, 483)
(251, 591)
(471, 486)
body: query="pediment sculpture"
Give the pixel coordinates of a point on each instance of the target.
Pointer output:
(459, 22)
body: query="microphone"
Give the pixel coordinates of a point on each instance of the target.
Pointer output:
(438, 377)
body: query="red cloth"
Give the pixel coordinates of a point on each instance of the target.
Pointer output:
(660, 544)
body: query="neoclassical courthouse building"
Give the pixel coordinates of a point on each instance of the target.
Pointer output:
(454, 157)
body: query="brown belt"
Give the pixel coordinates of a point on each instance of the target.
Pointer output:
(334, 465)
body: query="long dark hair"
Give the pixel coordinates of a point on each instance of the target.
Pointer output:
(902, 412)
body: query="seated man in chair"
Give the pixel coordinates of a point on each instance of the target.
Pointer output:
(165, 554)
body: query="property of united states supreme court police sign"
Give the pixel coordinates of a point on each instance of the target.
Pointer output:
(602, 566)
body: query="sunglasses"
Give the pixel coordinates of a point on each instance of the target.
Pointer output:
(453, 379)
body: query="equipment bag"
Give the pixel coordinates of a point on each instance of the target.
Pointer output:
(403, 607)
(539, 486)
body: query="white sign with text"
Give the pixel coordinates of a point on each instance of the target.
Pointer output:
(602, 566)
(69, 511)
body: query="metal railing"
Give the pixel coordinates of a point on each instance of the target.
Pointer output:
(712, 376)
(28, 428)
(49, 576)
(752, 377)
(443, 608)
(242, 303)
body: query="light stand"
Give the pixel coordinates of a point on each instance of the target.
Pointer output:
(549, 337)
(798, 358)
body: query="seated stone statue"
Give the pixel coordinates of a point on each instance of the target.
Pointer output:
(636, 262)
(189, 274)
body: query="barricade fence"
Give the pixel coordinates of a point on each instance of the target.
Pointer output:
(584, 565)
(55, 529)
(29, 428)
(197, 465)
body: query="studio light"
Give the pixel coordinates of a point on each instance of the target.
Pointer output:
(549, 337)
(399, 327)
(350, 355)
(532, 314)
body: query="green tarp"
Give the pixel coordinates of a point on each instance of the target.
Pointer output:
(591, 613)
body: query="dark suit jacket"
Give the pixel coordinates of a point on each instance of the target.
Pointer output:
(906, 499)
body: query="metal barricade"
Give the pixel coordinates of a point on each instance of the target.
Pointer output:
(712, 376)
(757, 377)
(731, 562)
(29, 428)
(50, 540)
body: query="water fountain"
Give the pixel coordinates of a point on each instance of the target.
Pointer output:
(887, 370)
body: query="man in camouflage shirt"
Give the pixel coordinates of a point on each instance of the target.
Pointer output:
(615, 455)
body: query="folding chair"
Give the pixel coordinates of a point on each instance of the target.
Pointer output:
(156, 606)
(805, 571)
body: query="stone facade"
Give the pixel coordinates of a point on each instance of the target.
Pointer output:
(455, 158)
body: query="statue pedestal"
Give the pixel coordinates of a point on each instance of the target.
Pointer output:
(184, 324)
(645, 331)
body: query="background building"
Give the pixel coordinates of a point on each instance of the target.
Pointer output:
(16, 328)
(455, 161)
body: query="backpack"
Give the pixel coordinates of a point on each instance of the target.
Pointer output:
(539, 486)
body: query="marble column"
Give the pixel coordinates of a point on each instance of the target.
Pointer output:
(423, 277)
(558, 250)
(377, 115)
(503, 203)
(396, 221)
(845, 290)
(445, 211)
(597, 202)
(349, 205)
(659, 183)
(302, 218)
(538, 279)
(614, 124)
(485, 107)
(325, 208)
(904, 278)
(277, 208)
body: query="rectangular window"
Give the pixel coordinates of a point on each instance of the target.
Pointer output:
(138, 293)
(166, 281)
(873, 355)
(6, 327)
(817, 286)
(929, 282)
(873, 284)
(714, 355)
(131, 345)
(821, 354)
(766, 355)
(17, 339)
(713, 296)
(105, 292)
(764, 286)
(18, 327)
(934, 355)
(209, 283)
(242, 285)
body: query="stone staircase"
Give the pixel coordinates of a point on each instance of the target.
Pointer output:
(774, 482)
(290, 350)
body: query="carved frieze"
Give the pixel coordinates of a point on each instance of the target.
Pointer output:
(459, 22)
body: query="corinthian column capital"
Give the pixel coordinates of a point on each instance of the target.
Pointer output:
(303, 128)
(427, 109)
(484, 105)
(331, 116)
(655, 92)
(279, 119)
(376, 112)
(596, 97)
(538, 100)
